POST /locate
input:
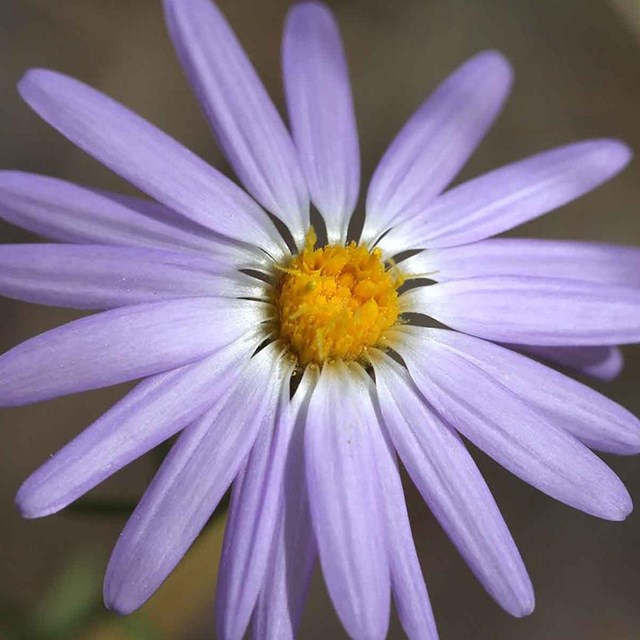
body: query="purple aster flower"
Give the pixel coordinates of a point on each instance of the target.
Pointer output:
(202, 297)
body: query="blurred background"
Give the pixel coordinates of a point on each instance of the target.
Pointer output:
(578, 75)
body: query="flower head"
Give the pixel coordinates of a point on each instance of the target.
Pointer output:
(203, 298)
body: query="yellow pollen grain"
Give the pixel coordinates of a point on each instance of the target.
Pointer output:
(335, 301)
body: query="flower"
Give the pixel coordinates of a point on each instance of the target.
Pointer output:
(297, 369)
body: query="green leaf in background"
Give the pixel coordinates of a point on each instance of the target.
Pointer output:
(72, 601)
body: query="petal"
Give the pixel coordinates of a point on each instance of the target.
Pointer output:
(147, 158)
(155, 410)
(586, 261)
(244, 120)
(437, 141)
(450, 483)
(603, 363)
(316, 81)
(120, 345)
(511, 195)
(341, 472)
(190, 483)
(102, 277)
(407, 582)
(507, 429)
(591, 417)
(293, 550)
(68, 212)
(542, 311)
(251, 523)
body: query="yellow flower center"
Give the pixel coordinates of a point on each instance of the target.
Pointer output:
(336, 301)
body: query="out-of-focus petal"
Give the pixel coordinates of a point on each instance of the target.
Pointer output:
(449, 481)
(437, 141)
(122, 344)
(190, 483)
(507, 428)
(343, 497)
(539, 311)
(293, 550)
(102, 277)
(316, 81)
(253, 515)
(586, 261)
(602, 363)
(244, 120)
(155, 410)
(148, 158)
(506, 197)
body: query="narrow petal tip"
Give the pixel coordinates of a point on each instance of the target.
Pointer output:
(612, 153)
(498, 62)
(310, 5)
(32, 78)
(616, 503)
(34, 499)
(27, 503)
(526, 606)
(115, 602)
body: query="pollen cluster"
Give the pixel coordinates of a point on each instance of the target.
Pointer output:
(335, 301)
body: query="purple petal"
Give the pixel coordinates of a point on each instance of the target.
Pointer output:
(591, 417)
(509, 196)
(542, 311)
(507, 428)
(251, 523)
(586, 261)
(148, 158)
(341, 472)
(449, 481)
(603, 363)
(68, 212)
(102, 277)
(318, 94)
(407, 582)
(244, 120)
(190, 483)
(120, 345)
(155, 410)
(437, 141)
(293, 550)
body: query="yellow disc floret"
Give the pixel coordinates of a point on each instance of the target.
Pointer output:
(336, 301)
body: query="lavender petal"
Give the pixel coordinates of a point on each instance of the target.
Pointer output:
(121, 344)
(586, 261)
(190, 483)
(102, 277)
(293, 550)
(69, 212)
(252, 520)
(244, 120)
(340, 470)
(589, 416)
(509, 196)
(602, 363)
(450, 483)
(437, 141)
(407, 582)
(318, 93)
(148, 158)
(507, 428)
(528, 310)
(155, 410)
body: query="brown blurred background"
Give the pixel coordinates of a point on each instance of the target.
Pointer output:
(578, 75)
